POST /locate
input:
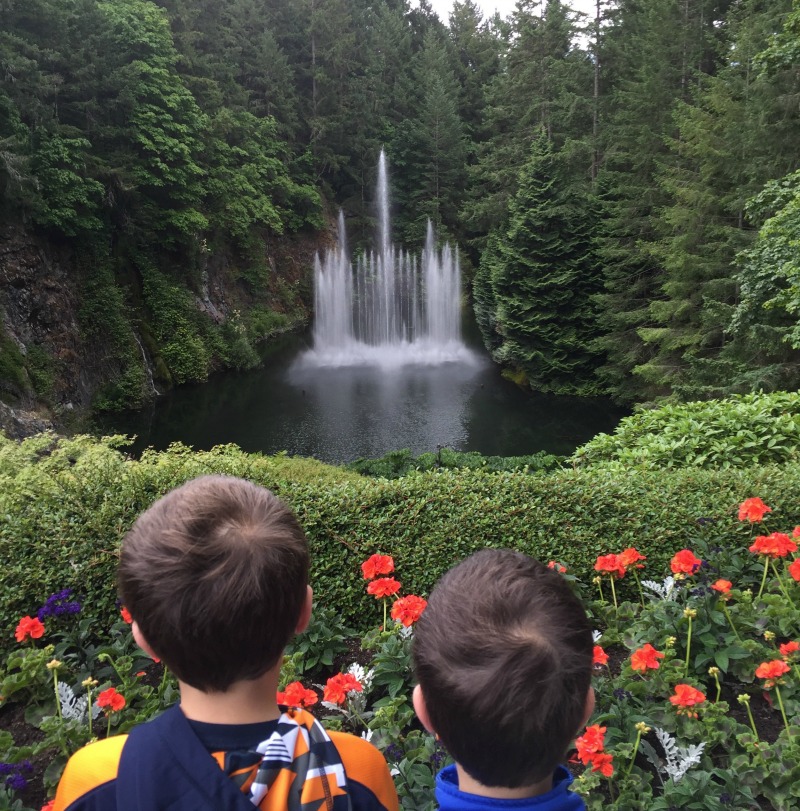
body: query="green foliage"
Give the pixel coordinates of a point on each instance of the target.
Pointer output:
(12, 365)
(753, 429)
(542, 277)
(323, 640)
(399, 463)
(69, 201)
(65, 505)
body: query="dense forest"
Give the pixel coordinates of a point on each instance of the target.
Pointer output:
(625, 188)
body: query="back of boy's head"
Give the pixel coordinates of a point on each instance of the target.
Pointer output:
(503, 655)
(215, 574)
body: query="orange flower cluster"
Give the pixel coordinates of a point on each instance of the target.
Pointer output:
(685, 698)
(618, 565)
(559, 567)
(722, 586)
(110, 700)
(794, 569)
(377, 564)
(407, 610)
(29, 628)
(383, 587)
(296, 695)
(599, 656)
(788, 649)
(337, 687)
(775, 545)
(646, 658)
(685, 562)
(753, 510)
(590, 750)
(772, 672)
(126, 615)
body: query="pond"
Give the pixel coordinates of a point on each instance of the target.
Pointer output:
(340, 414)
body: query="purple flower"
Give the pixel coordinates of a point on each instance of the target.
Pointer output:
(16, 782)
(7, 768)
(58, 604)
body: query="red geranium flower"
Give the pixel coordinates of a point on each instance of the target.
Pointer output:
(29, 628)
(377, 564)
(796, 532)
(383, 587)
(776, 545)
(686, 697)
(601, 762)
(772, 671)
(559, 567)
(126, 615)
(337, 687)
(590, 743)
(610, 565)
(646, 658)
(632, 556)
(296, 695)
(788, 648)
(111, 699)
(794, 569)
(49, 805)
(753, 510)
(722, 586)
(599, 656)
(684, 562)
(408, 609)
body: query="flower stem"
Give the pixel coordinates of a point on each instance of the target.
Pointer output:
(108, 728)
(613, 591)
(688, 645)
(752, 720)
(638, 583)
(58, 700)
(635, 752)
(730, 621)
(780, 583)
(783, 711)
(600, 587)
(384, 615)
(764, 578)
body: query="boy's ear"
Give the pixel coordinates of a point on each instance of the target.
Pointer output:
(305, 611)
(421, 709)
(141, 641)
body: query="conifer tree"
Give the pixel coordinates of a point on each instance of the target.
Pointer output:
(543, 276)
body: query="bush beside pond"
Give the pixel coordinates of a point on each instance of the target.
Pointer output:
(66, 503)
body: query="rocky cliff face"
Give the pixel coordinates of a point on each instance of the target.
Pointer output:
(50, 368)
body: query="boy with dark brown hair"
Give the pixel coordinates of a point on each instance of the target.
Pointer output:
(503, 657)
(215, 577)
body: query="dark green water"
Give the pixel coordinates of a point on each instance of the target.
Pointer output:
(338, 415)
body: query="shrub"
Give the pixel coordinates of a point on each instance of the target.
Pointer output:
(66, 503)
(750, 429)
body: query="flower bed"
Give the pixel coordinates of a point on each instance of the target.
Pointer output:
(697, 680)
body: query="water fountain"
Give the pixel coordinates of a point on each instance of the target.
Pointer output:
(392, 308)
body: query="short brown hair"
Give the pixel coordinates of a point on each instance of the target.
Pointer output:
(215, 575)
(503, 654)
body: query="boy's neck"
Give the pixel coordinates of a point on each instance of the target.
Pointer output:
(469, 785)
(244, 702)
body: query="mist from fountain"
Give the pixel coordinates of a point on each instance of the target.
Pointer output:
(392, 308)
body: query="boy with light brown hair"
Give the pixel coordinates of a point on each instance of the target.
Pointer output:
(215, 577)
(503, 657)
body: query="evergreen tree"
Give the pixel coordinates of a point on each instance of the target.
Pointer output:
(543, 275)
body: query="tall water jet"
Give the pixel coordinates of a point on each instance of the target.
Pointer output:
(391, 307)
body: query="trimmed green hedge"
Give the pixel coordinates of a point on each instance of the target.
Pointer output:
(65, 504)
(741, 430)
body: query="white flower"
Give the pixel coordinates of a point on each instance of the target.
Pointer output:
(367, 734)
(679, 758)
(596, 636)
(665, 590)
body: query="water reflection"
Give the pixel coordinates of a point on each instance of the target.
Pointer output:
(338, 415)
